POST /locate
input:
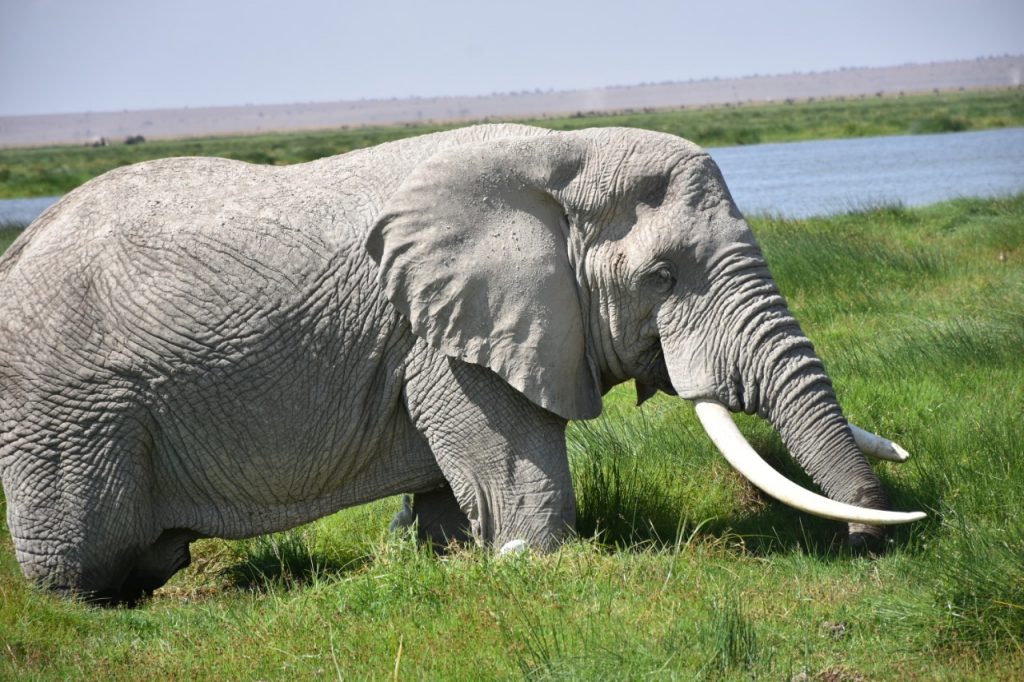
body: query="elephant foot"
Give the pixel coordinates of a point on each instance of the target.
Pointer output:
(514, 547)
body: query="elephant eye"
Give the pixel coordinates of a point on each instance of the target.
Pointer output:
(663, 279)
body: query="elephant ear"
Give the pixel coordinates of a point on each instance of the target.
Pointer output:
(472, 251)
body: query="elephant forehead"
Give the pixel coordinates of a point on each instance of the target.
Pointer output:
(697, 184)
(647, 146)
(679, 224)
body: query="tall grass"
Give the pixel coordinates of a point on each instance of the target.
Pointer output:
(630, 480)
(981, 583)
(731, 639)
(287, 560)
(681, 570)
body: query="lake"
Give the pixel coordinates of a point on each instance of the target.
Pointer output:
(23, 210)
(821, 177)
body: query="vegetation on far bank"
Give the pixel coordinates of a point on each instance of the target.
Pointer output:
(44, 171)
(683, 570)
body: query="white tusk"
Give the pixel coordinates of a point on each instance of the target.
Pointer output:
(734, 447)
(876, 446)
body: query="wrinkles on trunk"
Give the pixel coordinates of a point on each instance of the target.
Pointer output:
(814, 429)
(772, 370)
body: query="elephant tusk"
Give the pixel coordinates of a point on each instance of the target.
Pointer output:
(737, 451)
(876, 446)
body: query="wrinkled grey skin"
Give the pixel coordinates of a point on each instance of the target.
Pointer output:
(201, 347)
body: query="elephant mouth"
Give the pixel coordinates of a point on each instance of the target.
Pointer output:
(653, 376)
(718, 424)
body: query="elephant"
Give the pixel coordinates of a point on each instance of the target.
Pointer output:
(201, 347)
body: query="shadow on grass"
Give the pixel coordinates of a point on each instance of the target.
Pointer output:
(288, 560)
(777, 528)
(631, 500)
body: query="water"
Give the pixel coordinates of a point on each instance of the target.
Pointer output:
(822, 177)
(800, 179)
(23, 211)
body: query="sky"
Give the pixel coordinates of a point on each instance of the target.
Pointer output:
(60, 56)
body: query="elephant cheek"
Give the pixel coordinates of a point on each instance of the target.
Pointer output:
(688, 368)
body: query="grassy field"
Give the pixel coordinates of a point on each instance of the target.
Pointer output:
(682, 571)
(55, 170)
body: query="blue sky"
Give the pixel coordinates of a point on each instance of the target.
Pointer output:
(99, 55)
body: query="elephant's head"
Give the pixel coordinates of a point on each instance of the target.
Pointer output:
(570, 262)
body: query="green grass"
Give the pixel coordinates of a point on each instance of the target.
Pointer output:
(821, 119)
(8, 233)
(683, 571)
(55, 170)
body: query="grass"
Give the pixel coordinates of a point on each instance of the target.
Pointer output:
(45, 171)
(682, 571)
(8, 233)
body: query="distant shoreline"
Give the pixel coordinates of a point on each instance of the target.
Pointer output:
(56, 169)
(80, 128)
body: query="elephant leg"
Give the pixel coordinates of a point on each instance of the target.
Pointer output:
(79, 502)
(503, 456)
(156, 565)
(440, 520)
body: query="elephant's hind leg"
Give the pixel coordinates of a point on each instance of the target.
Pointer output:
(440, 520)
(165, 557)
(80, 505)
(437, 516)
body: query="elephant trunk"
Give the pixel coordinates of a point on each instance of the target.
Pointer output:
(766, 365)
(797, 397)
(778, 376)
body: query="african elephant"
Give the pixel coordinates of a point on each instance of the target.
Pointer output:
(198, 347)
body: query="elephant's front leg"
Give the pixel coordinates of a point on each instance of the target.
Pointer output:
(503, 456)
